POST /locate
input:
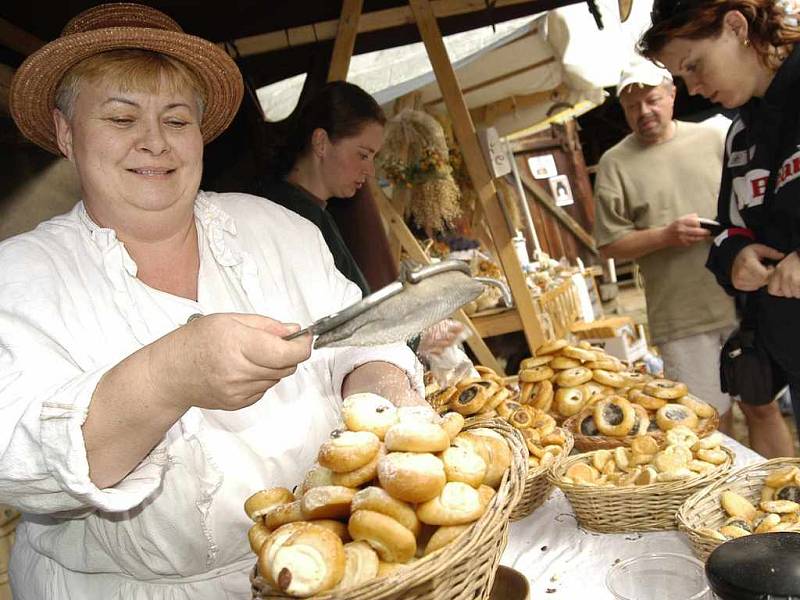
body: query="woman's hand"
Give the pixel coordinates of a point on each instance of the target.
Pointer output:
(749, 273)
(225, 361)
(785, 279)
(436, 338)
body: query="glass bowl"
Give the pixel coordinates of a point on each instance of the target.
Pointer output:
(664, 576)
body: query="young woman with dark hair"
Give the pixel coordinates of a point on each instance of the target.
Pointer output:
(743, 54)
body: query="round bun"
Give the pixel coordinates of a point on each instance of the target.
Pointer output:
(443, 536)
(452, 423)
(260, 502)
(412, 477)
(673, 415)
(369, 412)
(497, 452)
(379, 500)
(327, 502)
(457, 504)
(282, 514)
(614, 416)
(348, 450)
(666, 389)
(393, 542)
(316, 476)
(307, 562)
(257, 535)
(464, 465)
(360, 564)
(416, 436)
(362, 475)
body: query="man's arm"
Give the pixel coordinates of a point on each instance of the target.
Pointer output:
(682, 232)
(384, 379)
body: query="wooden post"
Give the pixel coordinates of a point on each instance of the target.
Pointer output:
(345, 39)
(477, 169)
(400, 230)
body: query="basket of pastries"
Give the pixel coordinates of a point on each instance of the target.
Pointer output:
(487, 396)
(640, 488)
(401, 503)
(759, 498)
(602, 403)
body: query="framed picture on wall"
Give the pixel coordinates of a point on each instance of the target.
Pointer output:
(561, 190)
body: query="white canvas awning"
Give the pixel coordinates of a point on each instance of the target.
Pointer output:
(517, 76)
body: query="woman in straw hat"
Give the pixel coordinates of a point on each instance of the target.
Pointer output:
(758, 253)
(130, 433)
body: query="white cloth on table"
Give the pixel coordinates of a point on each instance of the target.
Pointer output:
(71, 307)
(563, 561)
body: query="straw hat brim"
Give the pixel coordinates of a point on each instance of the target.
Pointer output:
(33, 89)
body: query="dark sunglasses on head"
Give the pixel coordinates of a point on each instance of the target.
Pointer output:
(667, 10)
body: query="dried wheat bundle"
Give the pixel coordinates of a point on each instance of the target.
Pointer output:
(415, 156)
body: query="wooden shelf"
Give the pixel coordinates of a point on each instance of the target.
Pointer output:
(497, 322)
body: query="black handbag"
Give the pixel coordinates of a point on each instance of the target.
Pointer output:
(746, 368)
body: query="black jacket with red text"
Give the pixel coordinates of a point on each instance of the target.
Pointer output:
(765, 137)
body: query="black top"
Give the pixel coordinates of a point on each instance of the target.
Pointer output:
(304, 204)
(758, 202)
(755, 567)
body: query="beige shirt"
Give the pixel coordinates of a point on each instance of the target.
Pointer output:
(640, 187)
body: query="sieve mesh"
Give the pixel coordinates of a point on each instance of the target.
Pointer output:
(407, 313)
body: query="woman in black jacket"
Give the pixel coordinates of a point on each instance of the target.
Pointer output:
(742, 54)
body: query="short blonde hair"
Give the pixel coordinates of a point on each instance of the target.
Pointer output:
(133, 70)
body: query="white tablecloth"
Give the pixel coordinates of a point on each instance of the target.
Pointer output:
(564, 562)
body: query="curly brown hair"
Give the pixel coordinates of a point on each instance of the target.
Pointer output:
(768, 30)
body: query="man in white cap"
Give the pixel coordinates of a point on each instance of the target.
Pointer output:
(650, 190)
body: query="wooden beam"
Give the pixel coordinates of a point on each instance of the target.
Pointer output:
(400, 230)
(18, 39)
(544, 199)
(6, 75)
(345, 40)
(477, 169)
(371, 21)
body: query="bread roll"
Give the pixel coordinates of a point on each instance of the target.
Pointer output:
(327, 502)
(357, 478)
(369, 412)
(257, 535)
(412, 477)
(282, 514)
(260, 502)
(392, 541)
(452, 423)
(316, 476)
(416, 436)
(443, 536)
(457, 504)
(348, 450)
(360, 564)
(379, 500)
(307, 562)
(465, 465)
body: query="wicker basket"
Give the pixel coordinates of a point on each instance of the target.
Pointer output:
(562, 307)
(462, 570)
(638, 508)
(537, 485)
(703, 509)
(587, 443)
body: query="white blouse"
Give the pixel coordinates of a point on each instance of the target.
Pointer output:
(71, 308)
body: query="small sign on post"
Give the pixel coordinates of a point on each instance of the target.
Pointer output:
(561, 190)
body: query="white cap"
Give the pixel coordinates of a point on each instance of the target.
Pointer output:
(643, 72)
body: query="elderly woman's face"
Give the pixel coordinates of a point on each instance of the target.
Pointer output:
(134, 151)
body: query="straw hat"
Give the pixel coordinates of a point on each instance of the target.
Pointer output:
(114, 27)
